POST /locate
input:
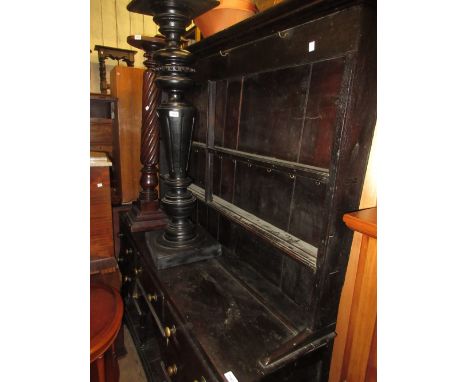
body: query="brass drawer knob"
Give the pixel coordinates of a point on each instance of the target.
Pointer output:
(169, 331)
(152, 297)
(171, 370)
(137, 271)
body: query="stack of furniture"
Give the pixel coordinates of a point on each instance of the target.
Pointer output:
(244, 281)
(103, 263)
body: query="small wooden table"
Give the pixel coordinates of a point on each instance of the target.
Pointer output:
(106, 319)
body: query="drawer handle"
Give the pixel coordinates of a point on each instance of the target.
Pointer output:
(127, 279)
(152, 297)
(169, 331)
(137, 271)
(171, 370)
(129, 251)
(150, 307)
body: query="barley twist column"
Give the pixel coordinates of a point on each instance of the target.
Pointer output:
(146, 214)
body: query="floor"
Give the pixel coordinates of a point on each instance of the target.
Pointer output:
(130, 366)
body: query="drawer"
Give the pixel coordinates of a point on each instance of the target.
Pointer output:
(154, 295)
(150, 306)
(180, 368)
(179, 347)
(101, 132)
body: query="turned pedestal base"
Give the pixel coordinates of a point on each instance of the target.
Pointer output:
(203, 248)
(142, 220)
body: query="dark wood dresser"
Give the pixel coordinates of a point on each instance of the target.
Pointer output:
(286, 112)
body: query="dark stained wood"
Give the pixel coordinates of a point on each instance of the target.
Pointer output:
(284, 154)
(356, 121)
(221, 93)
(146, 213)
(319, 124)
(258, 191)
(307, 211)
(231, 121)
(193, 8)
(274, 102)
(109, 52)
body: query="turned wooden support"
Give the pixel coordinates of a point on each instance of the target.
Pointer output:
(176, 115)
(146, 213)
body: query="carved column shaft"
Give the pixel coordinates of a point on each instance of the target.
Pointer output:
(102, 75)
(181, 242)
(146, 214)
(149, 155)
(177, 118)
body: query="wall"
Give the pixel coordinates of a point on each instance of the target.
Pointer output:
(111, 23)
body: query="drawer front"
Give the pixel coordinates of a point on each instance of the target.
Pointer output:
(181, 368)
(178, 346)
(101, 132)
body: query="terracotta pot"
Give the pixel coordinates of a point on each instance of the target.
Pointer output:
(227, 13)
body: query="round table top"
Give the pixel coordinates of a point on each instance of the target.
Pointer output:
(106, 318)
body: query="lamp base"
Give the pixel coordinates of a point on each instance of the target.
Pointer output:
(165, 256)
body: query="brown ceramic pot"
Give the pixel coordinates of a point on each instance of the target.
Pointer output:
(227, 13)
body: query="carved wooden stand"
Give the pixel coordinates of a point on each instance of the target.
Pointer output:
(145, 214)
(182, 241)
(105, 52)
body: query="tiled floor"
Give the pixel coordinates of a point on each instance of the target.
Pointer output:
(130, 366)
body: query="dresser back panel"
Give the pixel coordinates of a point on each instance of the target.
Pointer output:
(283, 133)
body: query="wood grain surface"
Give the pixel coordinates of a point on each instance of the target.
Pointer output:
(126, 85)
(101, 243)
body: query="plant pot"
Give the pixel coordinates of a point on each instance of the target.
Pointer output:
(227, 13)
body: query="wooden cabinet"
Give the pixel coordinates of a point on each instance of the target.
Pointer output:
(286, 107)
(102, 241)
(116, 130)
(126, 86)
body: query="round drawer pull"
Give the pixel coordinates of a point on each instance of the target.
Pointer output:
(152, 297)
(169, 331)
(171, 370)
